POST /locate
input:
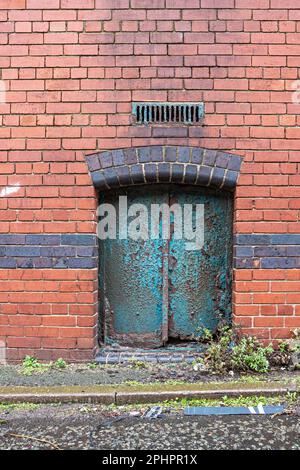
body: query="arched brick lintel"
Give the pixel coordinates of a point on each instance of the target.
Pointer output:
(164, 164)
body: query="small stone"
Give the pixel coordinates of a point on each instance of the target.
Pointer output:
(134, 414)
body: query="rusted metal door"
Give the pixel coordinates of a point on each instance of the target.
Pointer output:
(131, 277)
(200, 280)
(154, 290)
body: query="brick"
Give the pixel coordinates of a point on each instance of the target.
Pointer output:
(201, 38)
(145, 4)
(182, 4)
(107, 4)
(43, 4)
(88, 4)
(255, 4)
(166, 37)
(217, 3)
(12, 4)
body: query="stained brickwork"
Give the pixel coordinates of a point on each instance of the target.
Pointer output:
(71, 70)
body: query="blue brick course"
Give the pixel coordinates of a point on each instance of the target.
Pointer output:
(48, 251)
(267, 251)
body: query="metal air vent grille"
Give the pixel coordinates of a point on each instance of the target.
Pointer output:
(166, 113)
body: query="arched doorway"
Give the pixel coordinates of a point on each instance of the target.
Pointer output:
(156, 291)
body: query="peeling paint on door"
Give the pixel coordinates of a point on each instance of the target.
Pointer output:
(153, 291)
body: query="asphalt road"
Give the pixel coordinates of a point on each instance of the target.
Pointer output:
(88, 427)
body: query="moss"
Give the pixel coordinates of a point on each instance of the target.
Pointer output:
(150, 387)
(18, 406)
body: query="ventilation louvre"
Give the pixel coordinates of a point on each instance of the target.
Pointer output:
(166, 113)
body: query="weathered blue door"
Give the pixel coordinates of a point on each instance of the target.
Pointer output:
(199, 280)
(153, 289)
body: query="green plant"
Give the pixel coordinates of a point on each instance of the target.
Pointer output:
(248, 354)
(226, 351)
(197, 361)
(92, 365)
(225, 400)
(132, 383)
(284, 347)
(60, 363)
(31, 362)
(18, 406)
(291, 397)
(206, 335)
(136, 364)
(217, 355)
(30, 365)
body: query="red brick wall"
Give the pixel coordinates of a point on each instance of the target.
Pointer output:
(71, 69)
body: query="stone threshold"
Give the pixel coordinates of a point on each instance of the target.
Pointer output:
(169, 354)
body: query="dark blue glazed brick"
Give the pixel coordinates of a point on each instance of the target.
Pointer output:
(42, 263)
(61, 263)
(292, 250)
(234, 162)
(8, 239)
(137, 174)
(58, 251)
(156, 153)
(25, 263)
(171, 154)
(144, 155)
(111, 178)
(244, 263)
(82, 263)
(280, 263)
(177, 173)
(150, 173)
(85, 251)
(204, 175)
(243, 251)
(252, 239)
(184, 154)
(217, 177)
(118, 157)
(190, 176)
(8, 263)
(164, 172)
(222, 160)
(105, 159)
(50, 240)
(130, 156)
(197, 155)
(93, 162)
(22, 251)
(267, 251)
(230, 180)
(2, 251)
(78, 240)
(209, 157)
(285, 239)
(123, 175)
(99, 180)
